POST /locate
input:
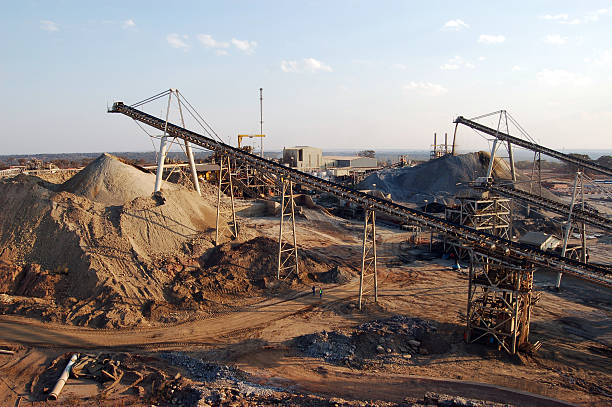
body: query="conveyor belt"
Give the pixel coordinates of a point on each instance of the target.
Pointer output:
(476, 239)
(585, 164)
(588, 215)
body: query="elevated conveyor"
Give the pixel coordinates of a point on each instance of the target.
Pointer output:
(500, 135)
(588, 215)
(479, 241)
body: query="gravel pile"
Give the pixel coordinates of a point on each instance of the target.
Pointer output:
(398, 325)
(204, 371)
(334, 347)
(442, 177)
(371, 340)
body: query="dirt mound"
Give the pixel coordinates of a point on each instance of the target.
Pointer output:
(90, 245)
(110, 181)
(235, 268)
(438, 177)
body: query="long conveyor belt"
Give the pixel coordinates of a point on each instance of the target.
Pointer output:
(478, 240)
(585, 164)
(589, 216)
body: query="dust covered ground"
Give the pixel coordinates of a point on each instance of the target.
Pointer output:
(215, 328)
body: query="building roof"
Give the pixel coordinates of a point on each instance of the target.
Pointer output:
(538, 238)
(342, 157)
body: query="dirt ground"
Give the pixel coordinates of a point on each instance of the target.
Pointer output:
(252, 332)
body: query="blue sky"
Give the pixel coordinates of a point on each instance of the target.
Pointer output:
(336, 74)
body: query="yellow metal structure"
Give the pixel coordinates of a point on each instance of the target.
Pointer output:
(241, 136)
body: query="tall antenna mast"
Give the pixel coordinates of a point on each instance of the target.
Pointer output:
(261, 118)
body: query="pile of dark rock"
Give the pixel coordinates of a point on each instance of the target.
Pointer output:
(370, 340)
(333, 347)
(445, 400)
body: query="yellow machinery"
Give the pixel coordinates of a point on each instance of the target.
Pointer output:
(241, 136)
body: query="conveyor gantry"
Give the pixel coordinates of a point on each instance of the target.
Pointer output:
(588, 215)
(500, 135)
(479, 241)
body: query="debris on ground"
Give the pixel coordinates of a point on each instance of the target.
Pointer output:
(372, 340)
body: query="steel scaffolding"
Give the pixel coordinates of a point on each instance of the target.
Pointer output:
(499, 302)
(287, 239)
(368, 258)
(491, 215)
(226, 217)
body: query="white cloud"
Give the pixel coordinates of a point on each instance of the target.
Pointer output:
(449, 67)
(209, 42)
(48, 25)
(517, 68)
(491, 39)
(128, 24)
(401, 67)
(455, 63)
(310, 65)
(428, 88)
(555, 39)
(604, 58)
(221, 52)
(248, 47)
(590, 17)
(481, 58)
(560, 77)
(455, 25)
(177, 41)
(562, 17)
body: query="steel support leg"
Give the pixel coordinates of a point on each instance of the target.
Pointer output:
(226, 218)
(287, 239)
(568, 228)
(368, 258)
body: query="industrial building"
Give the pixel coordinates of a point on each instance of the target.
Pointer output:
(341, 161)
(303, 157)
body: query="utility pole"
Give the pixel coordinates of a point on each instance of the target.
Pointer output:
(261, 119)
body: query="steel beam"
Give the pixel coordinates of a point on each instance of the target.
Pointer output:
(368, 255)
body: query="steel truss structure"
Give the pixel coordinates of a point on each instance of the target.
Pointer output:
(499, 302)
(473, 238)
(251, 181)
(492, 215)
(368, 257)
(287, 239)
(226, 217)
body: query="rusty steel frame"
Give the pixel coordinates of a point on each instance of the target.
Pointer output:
(225, 188)
(499, 301)
(368, 256)
(492, 215)
(287, 240)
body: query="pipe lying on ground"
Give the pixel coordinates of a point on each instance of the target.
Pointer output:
(62, 379)
(6, 352)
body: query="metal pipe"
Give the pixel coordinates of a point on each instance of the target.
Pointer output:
(62, 379)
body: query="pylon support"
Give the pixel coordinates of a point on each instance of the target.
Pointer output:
(164, 147)
(499, 302)
(568, 226)
(368, 257)
(225, 187)
(287, 239)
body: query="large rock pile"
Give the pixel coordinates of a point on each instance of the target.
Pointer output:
(87, 244)
(441, 178)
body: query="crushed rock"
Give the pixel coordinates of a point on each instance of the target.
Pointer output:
(370, 340)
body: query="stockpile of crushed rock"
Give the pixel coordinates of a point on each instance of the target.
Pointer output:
(442, 178)
(373, 340)
(85, 246)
